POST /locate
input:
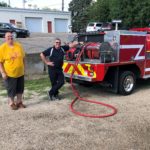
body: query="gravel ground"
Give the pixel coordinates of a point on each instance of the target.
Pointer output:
(49, 125)
(46, 125)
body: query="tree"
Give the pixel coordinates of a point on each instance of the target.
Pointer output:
(79, 13)
(3, 4)
(142, 13)
(134, 13)
(99, 11)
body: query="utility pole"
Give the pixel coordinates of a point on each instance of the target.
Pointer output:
(9, 2)
(62, 5)
(23, 2)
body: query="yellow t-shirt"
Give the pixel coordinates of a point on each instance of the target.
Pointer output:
(12, 59)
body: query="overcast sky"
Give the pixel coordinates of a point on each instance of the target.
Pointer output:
(39, 3)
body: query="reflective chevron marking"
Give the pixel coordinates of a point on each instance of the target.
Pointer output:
(140, 47)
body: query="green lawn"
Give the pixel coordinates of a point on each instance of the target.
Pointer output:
(33, 87)
(36, 86)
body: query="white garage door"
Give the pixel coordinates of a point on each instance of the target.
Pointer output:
(61, 25)
(34, 24)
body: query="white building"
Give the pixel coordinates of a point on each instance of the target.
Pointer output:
(37, 20)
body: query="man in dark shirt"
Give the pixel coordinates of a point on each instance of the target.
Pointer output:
(55, 63)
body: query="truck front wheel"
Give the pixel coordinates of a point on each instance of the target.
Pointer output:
(127, 82)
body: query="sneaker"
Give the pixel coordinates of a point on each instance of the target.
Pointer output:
(57, 97)
(13, 106)
(51, 97)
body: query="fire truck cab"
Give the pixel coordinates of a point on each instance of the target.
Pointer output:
(112, 58)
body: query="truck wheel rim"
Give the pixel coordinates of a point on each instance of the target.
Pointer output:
(128, 83)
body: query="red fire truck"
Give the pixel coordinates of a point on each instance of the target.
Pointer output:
(144, 29)
(113, 58)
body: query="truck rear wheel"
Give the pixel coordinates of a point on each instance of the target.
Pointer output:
(127, 82)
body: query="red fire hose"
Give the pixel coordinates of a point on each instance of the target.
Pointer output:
(86, 100)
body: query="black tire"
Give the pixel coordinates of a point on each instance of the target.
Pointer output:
(85, 84)
(67, 80)
(127, 82)
(14, 34)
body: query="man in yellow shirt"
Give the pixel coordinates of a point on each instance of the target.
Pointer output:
(12, 69)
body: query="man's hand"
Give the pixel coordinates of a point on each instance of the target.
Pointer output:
(46, 61)
(50, 63)
(4, 76)
(73, 44)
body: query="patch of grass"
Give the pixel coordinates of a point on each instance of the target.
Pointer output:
(4, 94)
(28, 95)
(37, 85)
(45, 97)
(1, 85)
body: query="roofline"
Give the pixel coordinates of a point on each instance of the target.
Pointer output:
(33, 10)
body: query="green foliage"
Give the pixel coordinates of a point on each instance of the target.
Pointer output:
(79, 13)
(133, 13)
(99, 11)
(3, 4)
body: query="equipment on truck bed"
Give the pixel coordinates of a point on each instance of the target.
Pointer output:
(112, 58)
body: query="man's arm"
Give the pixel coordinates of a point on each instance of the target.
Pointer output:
(2, 70)
(45, 60)
(66, 47)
